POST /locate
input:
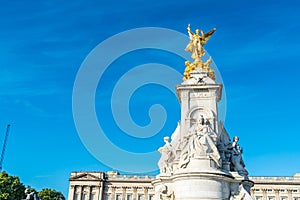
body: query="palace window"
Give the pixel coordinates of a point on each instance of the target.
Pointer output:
(258, 198)
(84, 196)
(76, 197)
(106, 197)
(118, 197)
(128, 197)
(151, 197)
(140, 197)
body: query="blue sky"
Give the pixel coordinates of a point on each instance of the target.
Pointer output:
(43, 44)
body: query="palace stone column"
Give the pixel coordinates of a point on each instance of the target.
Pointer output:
(71, 192)
(290, 194)
(252, 193)
(264, 194)
(276, 194)
(134, 193)
(124, 192)
(146, 193)
(113, 193)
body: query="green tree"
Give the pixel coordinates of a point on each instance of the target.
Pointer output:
(49, 194)
(10, 187)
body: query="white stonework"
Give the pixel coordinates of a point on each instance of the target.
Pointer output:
(202, 162)
(86, 185)
(109, 186)
(112, 186)
(276, 188)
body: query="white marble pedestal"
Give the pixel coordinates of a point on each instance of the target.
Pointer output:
(198, 181)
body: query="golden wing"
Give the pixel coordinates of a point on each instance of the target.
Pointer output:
(208, 35)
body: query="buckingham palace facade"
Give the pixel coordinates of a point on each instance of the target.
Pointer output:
(113, 186)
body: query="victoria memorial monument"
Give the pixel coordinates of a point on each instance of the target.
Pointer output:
(200, 161)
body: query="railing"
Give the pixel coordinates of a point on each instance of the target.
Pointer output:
(288, 178)
(132, 176)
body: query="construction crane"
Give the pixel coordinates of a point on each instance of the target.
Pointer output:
(4, 147)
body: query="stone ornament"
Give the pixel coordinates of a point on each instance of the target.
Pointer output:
(162, 192)
(167, 156)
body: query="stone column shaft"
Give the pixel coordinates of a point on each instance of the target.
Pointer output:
(90, 192)
(71, 192)
(290, 194)
(100, 192)
(124, 193)
(114, 193)
(80, 192)
(276, 194)
(264, 194)
(134, 193)
(146, 193)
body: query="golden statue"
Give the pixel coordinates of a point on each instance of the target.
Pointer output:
(195, 46)
(189, 67)
(197, 42)
(206, 65)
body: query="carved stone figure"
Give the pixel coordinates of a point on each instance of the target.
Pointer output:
(164, 193)
(235, 141)
(167, 157)
(238, 164)
(31, 195)
(224, 144)
(239, 193)
(199, 141)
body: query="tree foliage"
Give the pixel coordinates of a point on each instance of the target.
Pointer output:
(10, 187)
(50, 194)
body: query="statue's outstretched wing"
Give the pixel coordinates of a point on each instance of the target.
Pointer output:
(208, 35)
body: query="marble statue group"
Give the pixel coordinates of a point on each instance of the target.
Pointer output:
(201, 140)
(199, 160)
